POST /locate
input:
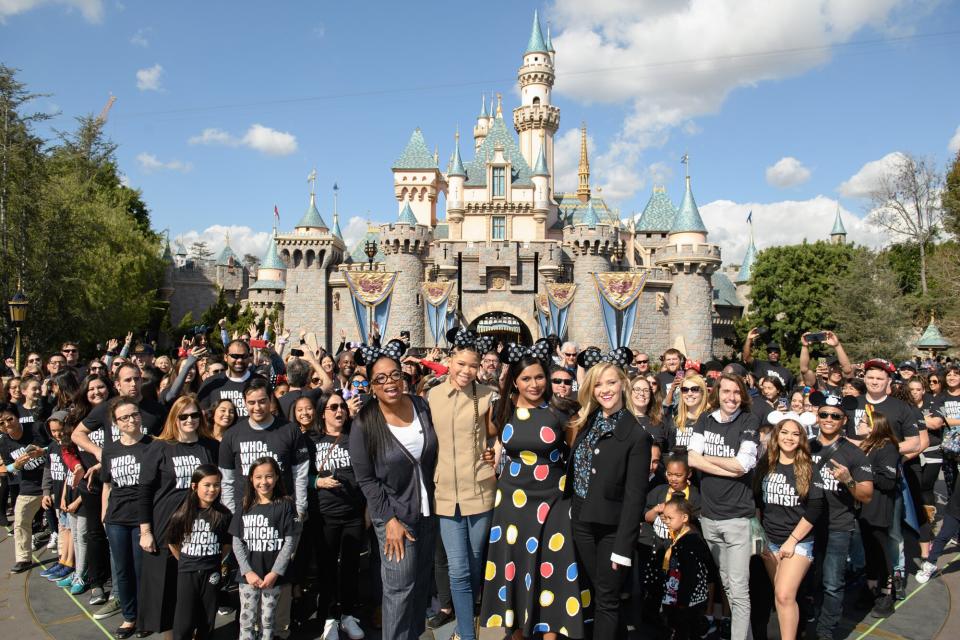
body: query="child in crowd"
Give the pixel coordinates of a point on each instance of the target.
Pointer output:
(685, 571)
(55, 487)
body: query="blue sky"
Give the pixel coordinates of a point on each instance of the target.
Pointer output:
(224, 108)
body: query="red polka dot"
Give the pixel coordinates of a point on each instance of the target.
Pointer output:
(548, 435)
(542, 512)
(541, 471)
(510, 571)
(546, 569)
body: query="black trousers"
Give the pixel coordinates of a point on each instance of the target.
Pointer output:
(594, 544)
(684, 622)
(196, 604)
(338, 560)
(98, 550)
(879, 562)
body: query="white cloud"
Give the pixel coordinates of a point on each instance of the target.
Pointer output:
(140, 38)
(671, 62)
(92, 10)
(787, 172)
(258, 137)
(781, 223)
(865, 181)
(355, 229)
(954, 144)
(243, 239)
(150, 164)
(149, 79)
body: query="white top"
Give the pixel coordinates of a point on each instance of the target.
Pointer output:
(411, 437)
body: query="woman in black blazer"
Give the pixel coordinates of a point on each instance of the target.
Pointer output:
(607, 476)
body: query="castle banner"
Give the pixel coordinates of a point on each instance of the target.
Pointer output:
(618, 293)
(371, 293)
(559, 297)
(437, 297)
(542, 307)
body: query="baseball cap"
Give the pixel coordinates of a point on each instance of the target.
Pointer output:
(736, 369)
(143, 349)
(879, 363)
(773, 345)
(908, 364)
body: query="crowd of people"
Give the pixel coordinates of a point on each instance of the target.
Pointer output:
(548, 490)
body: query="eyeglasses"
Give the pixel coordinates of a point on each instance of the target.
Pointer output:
(394, 375)
(570, 355)
(337, 406)
(238, 356)
(215, 371)
(641, 391)
(641, 362)
(33, 359)
(365, 384)
(829, 415)
(130, 417)
(186, 417)
(690, 389)
(564, 381)
(314, 380)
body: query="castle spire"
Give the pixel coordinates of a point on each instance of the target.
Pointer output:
(549, 39)
(499, 105)
(743, 276)
(456, 164)
(483, 106)
(540, 168)
(536, 43)
(839, 233)
(583, 172)
(688, 219)
(336, 212)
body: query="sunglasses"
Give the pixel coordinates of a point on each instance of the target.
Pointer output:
(570, 355)
(641, 362)
(336, 406)
(184, 417)
(690, 389)
(563, 381)
(238, 356)
(314, 380)
(829, 415)
(68, 350)
(362, 383)
(214, 371)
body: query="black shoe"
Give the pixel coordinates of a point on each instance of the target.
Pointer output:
(144, 634)
(884, 607)
(866, 599)
(20, 567)
(441, 618)
(124, 632)
(899, 586)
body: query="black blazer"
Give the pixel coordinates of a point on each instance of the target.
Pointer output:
(618, 490)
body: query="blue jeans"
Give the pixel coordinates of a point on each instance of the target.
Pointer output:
(464, 539)
(895, 537)
(125, 553)
(836, 546)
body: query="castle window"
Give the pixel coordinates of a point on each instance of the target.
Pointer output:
(499, 182)
(536, 102)
(498, 228)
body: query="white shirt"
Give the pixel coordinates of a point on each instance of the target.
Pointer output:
(411, 437)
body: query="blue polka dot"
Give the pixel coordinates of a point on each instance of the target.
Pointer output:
(541, 627)
(514, 468)
(555, 455)
(507, 432)
(502, 594)
(495, 533)
(532, 544)
(528, 581)
(572, 572)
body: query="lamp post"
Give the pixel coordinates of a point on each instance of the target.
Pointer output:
(370, 248)
(18, 315)
(619, 251)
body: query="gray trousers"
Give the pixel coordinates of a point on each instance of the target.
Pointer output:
(260, 605)
(407, 583)
(729, 542)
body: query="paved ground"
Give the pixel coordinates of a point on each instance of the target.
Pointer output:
(31, 607)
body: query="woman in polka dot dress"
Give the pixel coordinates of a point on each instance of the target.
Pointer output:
(531, 579)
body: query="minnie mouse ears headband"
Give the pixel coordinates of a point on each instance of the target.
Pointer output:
(820, 399)
(515, 352)
(806, 419)
(368, 355)
(620, 357)
(461, 338)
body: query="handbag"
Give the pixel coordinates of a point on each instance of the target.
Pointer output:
(951, 442)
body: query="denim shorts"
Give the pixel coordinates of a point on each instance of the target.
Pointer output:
(62, 519)
(804, 549)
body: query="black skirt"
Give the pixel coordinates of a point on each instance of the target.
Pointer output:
(157, 599)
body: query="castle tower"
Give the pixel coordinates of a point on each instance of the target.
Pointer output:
(746, 268)
(180, 256)
(541, 192)
(417, 180)
(536, 119)
(482, 128)
(404, 245)
(692, 261)
(266, 292)
(583, 170)
(591, 242)
(456, 179)
(838, 235)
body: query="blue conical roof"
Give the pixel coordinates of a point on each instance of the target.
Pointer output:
(224, 259)
(688, 218)
(271, 260)
(748, 259)
(416, 155)
(167, 253)
(536, 37)
(483, 106)
(456, 163)
(659, 213)
(312, 217)
(406, 215)
(932, 338)
(540, 168)
(549, 40)
(590, 217)
(336, 226)
(838, 228)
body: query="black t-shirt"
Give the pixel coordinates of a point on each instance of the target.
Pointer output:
(58, 472)
(726, 498)
(840, 503)
(765, 369)
(331, 457)
(760, 408)
(290, 398)
(202, 549)
(902, 417)
(31, 476)
(677, 437)
(929, 406)
(656, 533)
(219, 387)
(883, 462)
(242, 445)
(665, 378)
(121, 468)
(657, 431)
(165, 475)
(27, 415)
(152, 415)
(781, 504)
(263, 529)
(947, 406)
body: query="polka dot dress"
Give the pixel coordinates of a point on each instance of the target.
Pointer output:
(531, 579)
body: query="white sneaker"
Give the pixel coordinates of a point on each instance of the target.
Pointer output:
(53, 541)
(331, 630)
(352, 626)
(926, 572)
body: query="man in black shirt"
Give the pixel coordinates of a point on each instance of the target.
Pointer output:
(772, 366)
(230, 384)
(23, 453)
(828, 377)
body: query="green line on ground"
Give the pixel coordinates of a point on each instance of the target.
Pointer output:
(83, 609)
(905, 600)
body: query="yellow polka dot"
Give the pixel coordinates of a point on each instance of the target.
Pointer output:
(511, 534)
(508, 618)
(491, 570)
(556, 542)
(585, 597)
(563, 482)
(496, 500)
(546, 598)
(573, 606)
(528, 457)
(494, 621)
(519, 498)
(523, 414)
(563, 631)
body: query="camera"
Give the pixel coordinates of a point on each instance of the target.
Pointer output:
(814, 338)
(764, 333)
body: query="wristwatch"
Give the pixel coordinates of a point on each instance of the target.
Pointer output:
(851, 485)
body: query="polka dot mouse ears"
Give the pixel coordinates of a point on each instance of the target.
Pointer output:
(461, 338)
(591, 356)
(515, 352)
(367, 354)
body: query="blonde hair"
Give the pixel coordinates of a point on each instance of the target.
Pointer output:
(171, 427)
(588, 402)
(683, 415)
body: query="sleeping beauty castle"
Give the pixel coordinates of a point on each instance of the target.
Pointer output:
(509, 256)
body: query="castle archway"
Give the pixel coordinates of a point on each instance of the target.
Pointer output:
(504, 326)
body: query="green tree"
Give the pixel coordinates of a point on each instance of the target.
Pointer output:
(951, 198)
(200, 251)
(945, 288)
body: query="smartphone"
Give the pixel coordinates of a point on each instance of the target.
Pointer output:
(296, 353)
(814, 338)
(258, 344)
(822, 361)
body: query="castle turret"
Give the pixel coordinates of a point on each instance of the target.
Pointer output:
(692, 261)
(404, 245)
(456, 179)
(180, 256)
(583, 169)
(591, 241)
(838, 235)
(266, 292)
(482, 128)
(417, 180)
(541, 191)
(536, 119)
